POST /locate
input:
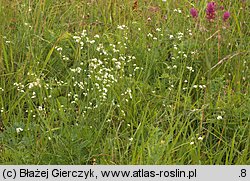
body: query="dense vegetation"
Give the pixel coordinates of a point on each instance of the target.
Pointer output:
(124, 82)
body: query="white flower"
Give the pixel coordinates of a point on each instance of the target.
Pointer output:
(58, 48)
(121, 27)
(189, 68)
(149, 35)
(92, 41)
(219, 117)
(83, 34)
(200, 138)
(191, 143)
(40, 108)
(18, 130)
(158, 29)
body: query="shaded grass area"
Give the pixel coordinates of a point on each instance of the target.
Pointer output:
(113, 83)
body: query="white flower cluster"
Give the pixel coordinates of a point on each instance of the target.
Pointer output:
(200, 138)
(19, 86)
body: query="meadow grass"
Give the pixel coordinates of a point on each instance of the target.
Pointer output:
(112, 82)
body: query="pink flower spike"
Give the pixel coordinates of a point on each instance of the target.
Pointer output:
(226, 15)
(194, 12)
(211, 11)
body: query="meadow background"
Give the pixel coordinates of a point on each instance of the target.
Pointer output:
(124, 82)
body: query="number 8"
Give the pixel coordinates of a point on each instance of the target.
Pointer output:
(243, 173)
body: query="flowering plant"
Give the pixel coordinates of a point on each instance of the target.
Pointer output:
(211, 12)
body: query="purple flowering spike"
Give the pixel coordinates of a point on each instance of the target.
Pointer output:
(194, 12)
(211, 11)
(226, 15)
